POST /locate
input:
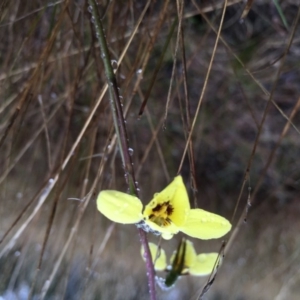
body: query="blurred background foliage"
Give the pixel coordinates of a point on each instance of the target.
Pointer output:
(54, 243)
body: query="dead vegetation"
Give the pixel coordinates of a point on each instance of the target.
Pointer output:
(229, 125)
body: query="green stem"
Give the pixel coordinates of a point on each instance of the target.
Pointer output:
(121, 133)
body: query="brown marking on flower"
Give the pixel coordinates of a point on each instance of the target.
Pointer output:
(161, 213)
(157, 207)
(170, 209)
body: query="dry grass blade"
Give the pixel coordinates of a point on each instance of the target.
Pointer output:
(245, 68)
(19, 232)
(150, 44)
(31, 141)
(187, 120)
(157, 68)
(40, 191)
(213, 275)
(80, 211)
(204, 87)
(271, 156)
(279, 70)
(154, 132)
(230, 92)
(247, 9)
(32, 80)
(180, 6)
(46, 132)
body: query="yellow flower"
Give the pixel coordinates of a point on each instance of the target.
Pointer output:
(167, 213)
(197, 265)
(184, 261)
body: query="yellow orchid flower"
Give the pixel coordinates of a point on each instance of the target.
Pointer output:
(184, 261)
(167, 213)
(196, 265)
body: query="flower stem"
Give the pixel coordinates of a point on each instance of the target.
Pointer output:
(121, 133)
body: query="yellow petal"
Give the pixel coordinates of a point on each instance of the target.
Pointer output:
(189, 258)
(190, 254)
(204, 225)
(175, 193)
(204, 264)
(120, 207)
(158, 257)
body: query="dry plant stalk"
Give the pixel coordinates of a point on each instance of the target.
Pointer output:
(66, 60)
